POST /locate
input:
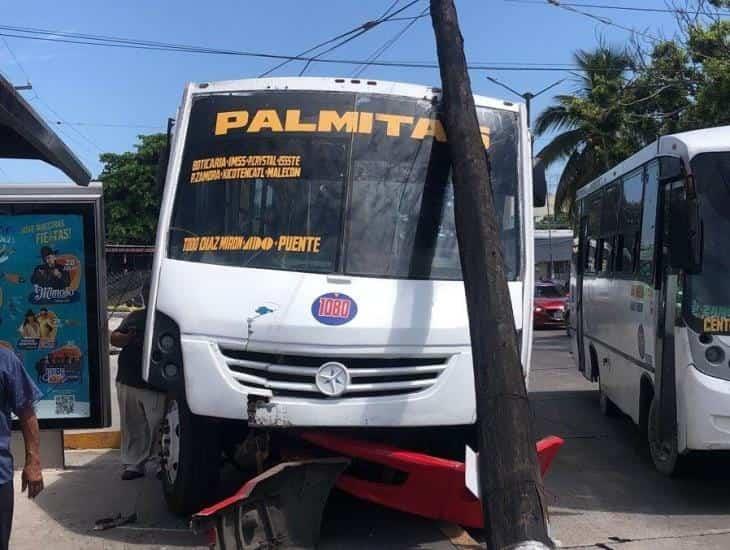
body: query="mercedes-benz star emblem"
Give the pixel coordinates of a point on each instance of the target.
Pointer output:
(332, 379)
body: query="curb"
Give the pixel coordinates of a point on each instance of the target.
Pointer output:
(110, 439)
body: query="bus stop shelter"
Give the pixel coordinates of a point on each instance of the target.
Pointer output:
(24, 135)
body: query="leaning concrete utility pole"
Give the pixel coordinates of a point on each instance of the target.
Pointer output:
(510, 482)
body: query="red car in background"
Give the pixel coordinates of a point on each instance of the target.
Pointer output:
(551, 305)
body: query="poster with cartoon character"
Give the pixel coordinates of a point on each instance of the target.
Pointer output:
(43, 307)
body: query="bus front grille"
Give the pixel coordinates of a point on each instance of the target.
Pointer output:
(294, 375)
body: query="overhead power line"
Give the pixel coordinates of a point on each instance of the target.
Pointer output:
(47, 35)
(604, 20)
(345, 37)
(392, 6)
(366, 27)
(110, 125)
(333, 48)
(45, 103)
(624, 8)
(16, 60)
(388, 44)
(305, 52)
(409, 18)
(81, 134)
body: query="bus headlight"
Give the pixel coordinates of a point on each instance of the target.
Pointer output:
(166, 361)
(167, 342)
(715, 354)
(705, 338)
(170, 370)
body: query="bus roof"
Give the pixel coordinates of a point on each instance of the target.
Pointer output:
(684, 145)
(308, 83)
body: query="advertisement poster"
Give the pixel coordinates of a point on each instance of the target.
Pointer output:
(43, 307)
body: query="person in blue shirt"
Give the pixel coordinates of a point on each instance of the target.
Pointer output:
(18, 394)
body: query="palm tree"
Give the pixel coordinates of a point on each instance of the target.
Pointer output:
(594, 128)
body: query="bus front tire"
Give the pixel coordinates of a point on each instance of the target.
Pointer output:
(664, 454)
(191, 458)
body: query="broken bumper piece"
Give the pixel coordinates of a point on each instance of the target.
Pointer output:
(429, 486)
(280, 508)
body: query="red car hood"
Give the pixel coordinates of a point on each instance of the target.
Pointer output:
(550, 303)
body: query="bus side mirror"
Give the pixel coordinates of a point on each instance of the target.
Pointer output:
(685, 233)
(164, 159)
(539, 183)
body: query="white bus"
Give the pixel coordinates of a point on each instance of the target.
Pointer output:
(306, 269)
(650, 295)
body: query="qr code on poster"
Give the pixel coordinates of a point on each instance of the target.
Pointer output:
(65, 404)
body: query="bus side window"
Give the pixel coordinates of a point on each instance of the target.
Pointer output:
(590, 256)
(609, 222)
(648, 223)
(620, 263)
(629, 222)
(593, 249)
(606, 253)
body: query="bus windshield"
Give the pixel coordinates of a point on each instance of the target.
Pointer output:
(331, 182)
(708, 294)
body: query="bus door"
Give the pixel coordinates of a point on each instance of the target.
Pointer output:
(667, 280)
(579, 267)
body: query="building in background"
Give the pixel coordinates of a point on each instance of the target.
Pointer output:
(554, 246)
(544, 211)
(553, 243)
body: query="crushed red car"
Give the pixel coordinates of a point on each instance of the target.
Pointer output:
(551, 305)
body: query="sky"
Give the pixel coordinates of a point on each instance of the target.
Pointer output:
(110, 95)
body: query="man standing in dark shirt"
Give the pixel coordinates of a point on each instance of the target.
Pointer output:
(18, 394)
(140, 407)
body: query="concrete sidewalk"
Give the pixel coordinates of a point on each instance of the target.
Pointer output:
(602, 489)
(62, 517)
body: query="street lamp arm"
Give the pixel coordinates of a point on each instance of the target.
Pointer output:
(498, 83)
(549, 87)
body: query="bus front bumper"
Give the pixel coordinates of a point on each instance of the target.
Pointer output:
(707, 406)
(214, 389)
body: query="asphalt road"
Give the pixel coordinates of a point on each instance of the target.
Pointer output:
(602, 490)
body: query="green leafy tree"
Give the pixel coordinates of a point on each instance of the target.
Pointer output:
(685, 82)
(659, 97)
(625, 101)
(709, 48)
(592, 124)
(558, 221)
(131, 197)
